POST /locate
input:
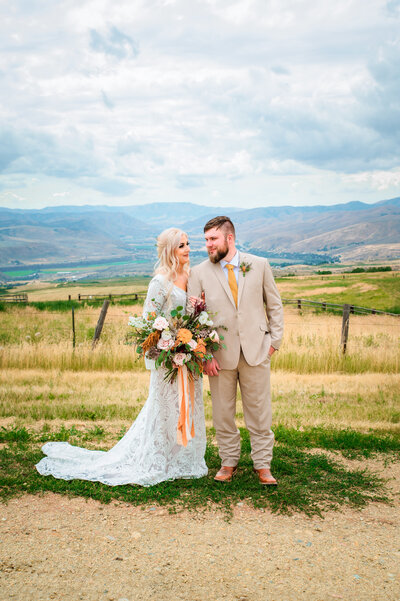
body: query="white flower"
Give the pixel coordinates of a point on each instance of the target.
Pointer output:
(166, 335)
(160, 323)
(164, 345)
(209, 322)
(214, 336)
(192, 343)
(136, 322)
(203, 318)
(180, 358)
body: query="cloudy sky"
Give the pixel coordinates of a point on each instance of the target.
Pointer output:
(218, 102)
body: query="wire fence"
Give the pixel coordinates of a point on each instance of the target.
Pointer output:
(299, 303)
(111, 313)
(323, 305)
(314, 341)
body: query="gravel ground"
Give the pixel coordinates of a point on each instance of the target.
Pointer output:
(53, 547)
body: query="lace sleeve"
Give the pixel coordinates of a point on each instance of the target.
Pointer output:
(156, 297)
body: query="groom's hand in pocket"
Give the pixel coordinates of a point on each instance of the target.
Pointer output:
(211, 368)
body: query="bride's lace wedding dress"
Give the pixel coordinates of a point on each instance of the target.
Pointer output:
(148, 453)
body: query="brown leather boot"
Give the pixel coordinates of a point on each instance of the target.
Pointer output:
(265, 477)
(225, 474)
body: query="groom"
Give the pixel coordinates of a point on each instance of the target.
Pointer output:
(241, 293)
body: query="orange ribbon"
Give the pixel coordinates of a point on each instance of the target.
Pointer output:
(186, 399)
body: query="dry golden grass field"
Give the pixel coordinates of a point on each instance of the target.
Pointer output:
(44, 378)
(113, 399)
(30, 338)
(45, 291)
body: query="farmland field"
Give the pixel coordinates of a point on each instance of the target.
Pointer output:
(31, 338)
(45, 291)
(374, 290)
(44, 378)
(321, 397)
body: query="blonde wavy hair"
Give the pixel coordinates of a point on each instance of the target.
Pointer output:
(167, 243)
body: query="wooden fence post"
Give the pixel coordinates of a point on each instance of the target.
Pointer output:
(73, 328)
(345, 327)
(100, 323)
(299, 304)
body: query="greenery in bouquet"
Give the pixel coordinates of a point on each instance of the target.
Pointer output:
(181, 339)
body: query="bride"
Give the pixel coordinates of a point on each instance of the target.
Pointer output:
(149, 452)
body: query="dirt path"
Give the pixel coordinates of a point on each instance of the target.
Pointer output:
(71, 549)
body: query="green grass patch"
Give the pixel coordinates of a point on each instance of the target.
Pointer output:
(394, 309)
(311, 483)
(19, 273)
(372, 290)
(62, 306)
(129, 281)
(352, 444)
(66, 269)
(58, 306)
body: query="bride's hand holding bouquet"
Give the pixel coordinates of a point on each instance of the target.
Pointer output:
(182, 340)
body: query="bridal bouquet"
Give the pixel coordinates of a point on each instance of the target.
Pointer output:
(181, 340)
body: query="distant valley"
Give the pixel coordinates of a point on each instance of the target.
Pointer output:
(122, 239)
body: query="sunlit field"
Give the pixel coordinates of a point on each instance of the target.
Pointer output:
(40, 339)
(373, 290)
(45, 291)
(113, 400)
(323, 401)
(379, 290)
(44, 378)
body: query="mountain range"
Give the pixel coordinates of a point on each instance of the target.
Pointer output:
(354, 231)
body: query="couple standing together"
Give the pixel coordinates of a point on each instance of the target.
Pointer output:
(240, 292)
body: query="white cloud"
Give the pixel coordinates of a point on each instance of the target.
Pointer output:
(143, 100)
(378, 180)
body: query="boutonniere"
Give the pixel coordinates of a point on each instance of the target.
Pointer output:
(244, 267)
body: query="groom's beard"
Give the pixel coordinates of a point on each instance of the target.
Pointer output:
(219, 254)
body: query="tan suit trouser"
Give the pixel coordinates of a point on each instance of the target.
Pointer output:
(254, 385)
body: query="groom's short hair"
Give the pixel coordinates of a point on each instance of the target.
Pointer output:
(221, 223)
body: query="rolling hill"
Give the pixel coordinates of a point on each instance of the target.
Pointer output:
(62, 235)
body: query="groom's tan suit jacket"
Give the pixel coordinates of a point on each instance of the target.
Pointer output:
(256, 323)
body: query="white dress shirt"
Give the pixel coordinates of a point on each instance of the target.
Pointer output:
(235, 262)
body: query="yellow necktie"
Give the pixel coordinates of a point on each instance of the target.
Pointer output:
(232, 282)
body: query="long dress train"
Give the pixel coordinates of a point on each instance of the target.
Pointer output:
(148, 453)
